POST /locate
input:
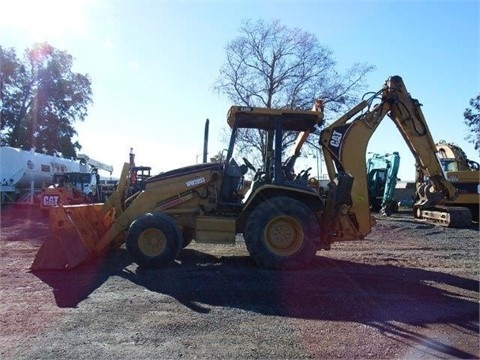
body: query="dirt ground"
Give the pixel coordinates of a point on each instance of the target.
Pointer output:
(409, 291)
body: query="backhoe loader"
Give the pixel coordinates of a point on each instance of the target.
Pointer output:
(284, 220)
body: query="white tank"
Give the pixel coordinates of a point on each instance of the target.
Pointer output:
(18, 168)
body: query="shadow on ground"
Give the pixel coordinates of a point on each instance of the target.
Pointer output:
(335, 290)
(328, 289)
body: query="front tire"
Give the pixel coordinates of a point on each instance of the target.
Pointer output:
(154, 240)
(282, 233)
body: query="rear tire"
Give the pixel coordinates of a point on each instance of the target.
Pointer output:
(282, 233)
(154, 240)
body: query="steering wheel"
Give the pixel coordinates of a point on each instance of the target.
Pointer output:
(249, 164)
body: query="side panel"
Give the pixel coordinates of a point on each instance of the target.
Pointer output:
(215, 230)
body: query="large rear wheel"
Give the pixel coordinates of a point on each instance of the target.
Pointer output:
(154, 240)
(282, 233)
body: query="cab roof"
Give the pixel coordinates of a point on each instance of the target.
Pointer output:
(265, 118)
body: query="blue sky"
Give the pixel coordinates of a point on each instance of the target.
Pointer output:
(152, 65)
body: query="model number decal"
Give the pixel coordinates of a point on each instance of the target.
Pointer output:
(245, 109)
(195, 182)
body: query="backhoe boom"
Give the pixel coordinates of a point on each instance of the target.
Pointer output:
(345, 143)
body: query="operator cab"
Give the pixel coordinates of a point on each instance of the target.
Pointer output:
(138, 176)
(449, 165)
(276, 127)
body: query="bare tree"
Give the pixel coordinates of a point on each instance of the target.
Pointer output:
(270, 65)
(472, 120)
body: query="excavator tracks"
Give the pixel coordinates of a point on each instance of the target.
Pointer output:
(448, 216)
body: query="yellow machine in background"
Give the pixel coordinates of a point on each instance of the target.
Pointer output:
(464, 174)
(81, 187)
(284, 220)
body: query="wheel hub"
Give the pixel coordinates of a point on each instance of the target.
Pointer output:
(152, 242)
(283, 235)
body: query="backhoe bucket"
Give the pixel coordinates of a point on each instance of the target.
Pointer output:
(75, 231)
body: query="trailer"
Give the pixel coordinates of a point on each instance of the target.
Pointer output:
(22, 172)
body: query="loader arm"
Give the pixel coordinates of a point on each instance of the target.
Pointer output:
(115, 200)
(345, 141)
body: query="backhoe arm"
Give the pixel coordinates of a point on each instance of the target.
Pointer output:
(344, 145)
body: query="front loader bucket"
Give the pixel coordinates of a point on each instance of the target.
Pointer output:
(75, 231)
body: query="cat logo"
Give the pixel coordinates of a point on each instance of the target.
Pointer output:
(336, 139)
(51, 200)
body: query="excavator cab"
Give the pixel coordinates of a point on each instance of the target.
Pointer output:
(463, 173)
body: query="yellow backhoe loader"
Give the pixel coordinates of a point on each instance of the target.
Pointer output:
(283, 219)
